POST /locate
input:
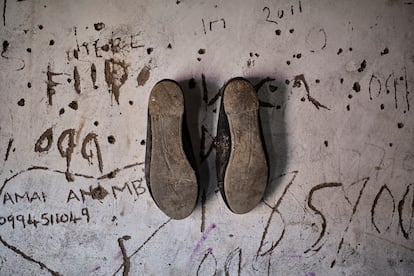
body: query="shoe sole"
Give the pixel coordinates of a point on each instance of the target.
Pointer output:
(246, 174)
(173, 181)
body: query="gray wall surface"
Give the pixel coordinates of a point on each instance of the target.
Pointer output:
(336, 86)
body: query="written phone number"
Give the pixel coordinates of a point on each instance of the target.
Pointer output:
(46, 219)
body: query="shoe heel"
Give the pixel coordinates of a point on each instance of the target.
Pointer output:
(245, 175)
(170, 177)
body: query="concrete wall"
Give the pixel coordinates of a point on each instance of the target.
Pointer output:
(337, 100)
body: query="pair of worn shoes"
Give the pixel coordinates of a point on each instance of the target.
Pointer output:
(170, 166)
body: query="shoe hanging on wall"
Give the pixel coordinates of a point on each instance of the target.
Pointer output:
(242, 168)
(169, 161)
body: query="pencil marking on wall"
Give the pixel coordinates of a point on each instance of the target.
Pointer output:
(27, 257)
(144, 243)
(234, 256)
(384, 188)
(9, 145)
(208, 257)
(406, 231)
(318, 212)
(4, 12)
(270, 218)
(212, 23)
(317, 39)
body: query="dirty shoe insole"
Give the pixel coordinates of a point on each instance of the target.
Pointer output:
(172, 179)
(246, 173)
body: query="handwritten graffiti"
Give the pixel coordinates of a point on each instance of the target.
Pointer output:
(281, 13)
(105, 47)
(66, 145)
(45, 219)
(393, 85)
(133, 189)
(115, 73)
(270, 242)
(26, 197)
(211, 23)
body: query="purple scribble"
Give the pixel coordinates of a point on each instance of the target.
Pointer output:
(202, 239)
(310, 274)
(119, 255)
